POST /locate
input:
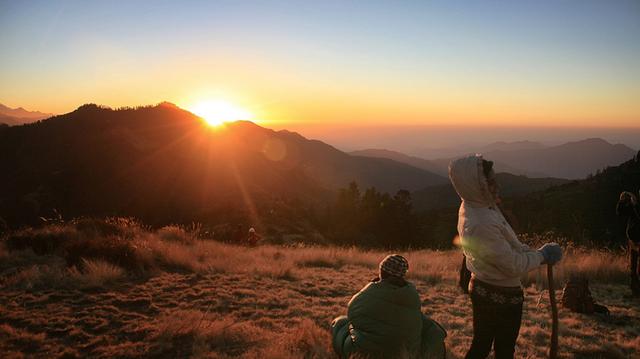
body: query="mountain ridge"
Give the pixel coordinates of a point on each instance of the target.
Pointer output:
(162, 163)
(570, 160)
(18, 116)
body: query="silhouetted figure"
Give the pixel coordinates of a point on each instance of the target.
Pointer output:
(253, 237)
(384, 319)
(629, 209)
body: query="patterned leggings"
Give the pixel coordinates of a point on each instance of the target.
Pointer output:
(497, 314)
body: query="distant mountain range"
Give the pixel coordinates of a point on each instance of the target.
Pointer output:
(572, 160)
(461, 149)
(403, 158)
(510, 186)
(19, 116)
(581, 210)
(444, 195)
(164, 164)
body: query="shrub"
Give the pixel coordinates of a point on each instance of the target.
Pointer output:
(52, 274)
(113, 249)
(111, 226)
(96, 273)
(174, 255)
(175, 234)
(45, 240)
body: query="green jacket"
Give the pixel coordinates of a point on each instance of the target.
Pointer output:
(386, 318)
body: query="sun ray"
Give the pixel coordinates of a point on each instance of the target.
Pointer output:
(217, 112)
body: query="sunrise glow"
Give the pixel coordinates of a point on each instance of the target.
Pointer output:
(217, 112)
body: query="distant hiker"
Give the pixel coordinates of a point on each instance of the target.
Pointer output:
(629, 208)
(495, 258)
(253, 237)
(385, 320)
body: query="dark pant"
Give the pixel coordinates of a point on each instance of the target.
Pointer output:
(634, 270)
(497, 324)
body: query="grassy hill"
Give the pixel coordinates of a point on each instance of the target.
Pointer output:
(178, 294)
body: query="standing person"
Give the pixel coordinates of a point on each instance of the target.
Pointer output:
(628, 208)
(253, 237)
(495, 258)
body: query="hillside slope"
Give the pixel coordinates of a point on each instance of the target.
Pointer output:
(510, 186)
(163, 164)
(401, 157)
(202, 298)
(583, 210)
(573, 160)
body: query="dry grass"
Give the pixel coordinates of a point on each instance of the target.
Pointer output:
(208, 299)
(97, 273)
(175, 234)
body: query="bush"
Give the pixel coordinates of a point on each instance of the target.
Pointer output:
(175, 234)
(112, 226)
(113, 249)
(96, 273)
(42, 241)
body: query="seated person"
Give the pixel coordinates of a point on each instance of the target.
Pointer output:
(384, 319)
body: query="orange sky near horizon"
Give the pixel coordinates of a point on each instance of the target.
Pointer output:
(335, 63)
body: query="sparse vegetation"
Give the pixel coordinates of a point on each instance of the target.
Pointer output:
(185, 296)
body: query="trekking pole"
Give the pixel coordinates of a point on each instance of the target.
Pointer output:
(553, 346)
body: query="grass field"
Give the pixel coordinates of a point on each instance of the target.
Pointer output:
(179, 296)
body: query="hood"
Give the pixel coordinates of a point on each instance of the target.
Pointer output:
(469, 181)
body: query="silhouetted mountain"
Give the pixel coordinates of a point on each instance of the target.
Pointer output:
(572, 160)
(460, 149)
(511, 146)
(163, 164)
(443, 163)
(510, 186)
(401, 157)
(582, 210)
(438, 166)
(18, 116)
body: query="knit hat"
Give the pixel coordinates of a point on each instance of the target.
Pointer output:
(395, 265)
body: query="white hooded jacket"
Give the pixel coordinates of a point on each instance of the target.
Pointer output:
(494, 254)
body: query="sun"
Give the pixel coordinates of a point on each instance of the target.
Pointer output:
(217, 112)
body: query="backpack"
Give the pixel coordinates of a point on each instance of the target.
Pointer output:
(576, 297)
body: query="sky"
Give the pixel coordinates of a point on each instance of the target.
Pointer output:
(291, 63)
